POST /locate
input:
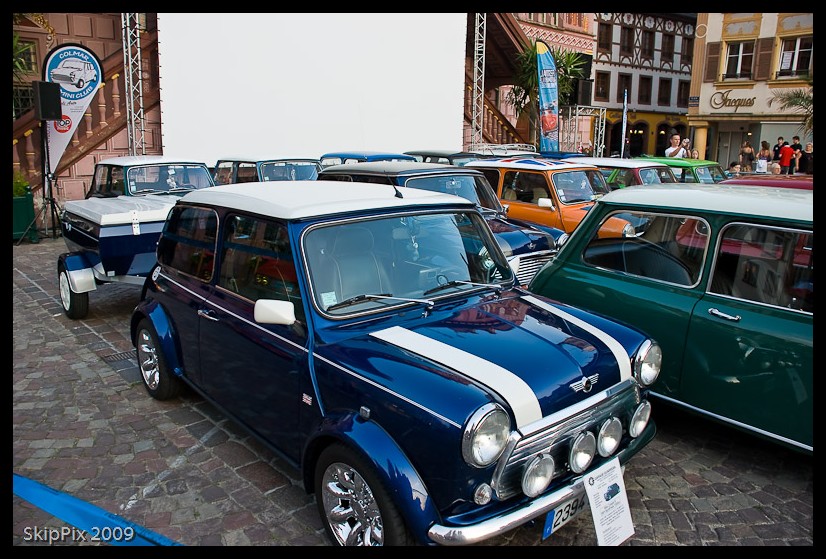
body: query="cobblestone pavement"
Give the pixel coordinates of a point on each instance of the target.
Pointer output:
(83, 424)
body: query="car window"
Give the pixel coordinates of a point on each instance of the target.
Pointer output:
(667, 250)
(187, 243)
(223, 172)
(766, 265)
(257, 262)
(458, 185)
(246, 173)
(654, 176)
(579, 186)
(524, 186)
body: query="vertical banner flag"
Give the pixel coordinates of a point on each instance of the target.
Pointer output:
(624, 120)
(79, 73)
(548, 99)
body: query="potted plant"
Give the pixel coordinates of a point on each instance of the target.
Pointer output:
(23, 209)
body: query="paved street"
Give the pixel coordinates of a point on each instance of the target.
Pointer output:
(83, 424)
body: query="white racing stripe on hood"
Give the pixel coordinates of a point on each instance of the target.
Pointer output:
(616, 348)
(514, 390)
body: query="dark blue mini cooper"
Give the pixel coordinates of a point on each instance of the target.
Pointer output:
(373, 337)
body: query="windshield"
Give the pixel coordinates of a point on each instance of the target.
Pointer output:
(470, 187)
(579, 186)
(371, 265)
(289, 171)
(167, 178)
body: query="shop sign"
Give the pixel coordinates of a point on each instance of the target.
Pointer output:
(723, 99)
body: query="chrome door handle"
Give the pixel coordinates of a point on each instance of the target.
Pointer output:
(207, 314)
(715, 312)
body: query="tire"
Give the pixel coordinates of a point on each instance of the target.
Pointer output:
(157, 379)
(75, 305)
(355, 507)
(80, 84)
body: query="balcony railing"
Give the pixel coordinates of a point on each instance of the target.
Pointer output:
(745, 75)
(797, 74)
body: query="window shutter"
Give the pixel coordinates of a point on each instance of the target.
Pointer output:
(712, 61)
(763, 60)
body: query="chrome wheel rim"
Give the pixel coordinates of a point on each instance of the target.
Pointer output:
(148, 360)
(351, 510)
(65, 291)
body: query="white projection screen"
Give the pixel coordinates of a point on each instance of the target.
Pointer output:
(299, 85)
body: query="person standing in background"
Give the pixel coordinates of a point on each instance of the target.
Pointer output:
(776, 149)
(695, 154)
(787, 159)
(804, 163)
(764, 157)
(676, 149)
(797, 147)
(746, 157)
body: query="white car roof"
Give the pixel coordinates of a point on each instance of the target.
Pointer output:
(129, 160)
(762, 201)
(298, 199)
(615, 162)
(530, 163)
(266, 158)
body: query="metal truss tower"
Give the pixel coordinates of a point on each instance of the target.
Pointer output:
(133, 78)
(478, 109)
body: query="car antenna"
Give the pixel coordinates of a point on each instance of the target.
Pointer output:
(398, 192)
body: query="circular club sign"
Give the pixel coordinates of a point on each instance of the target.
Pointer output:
(63, 125)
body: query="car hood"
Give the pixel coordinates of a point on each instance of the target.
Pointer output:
(533, 356)
(516, 238)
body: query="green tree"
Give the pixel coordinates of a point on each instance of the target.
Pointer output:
(570, 67)
(798, 100)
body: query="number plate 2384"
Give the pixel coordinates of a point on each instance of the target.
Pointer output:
(563, 514)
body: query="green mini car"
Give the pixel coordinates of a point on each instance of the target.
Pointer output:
(692, 170)
(723, 276)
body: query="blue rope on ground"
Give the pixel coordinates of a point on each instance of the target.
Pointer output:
(93, 523)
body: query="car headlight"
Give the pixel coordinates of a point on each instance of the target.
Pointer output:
(609, 437)
(629, 231)
(639, 421)
(538, 474)
(485, 436)
(648, 363)
(582, 452)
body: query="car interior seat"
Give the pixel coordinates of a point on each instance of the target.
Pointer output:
(356, 268)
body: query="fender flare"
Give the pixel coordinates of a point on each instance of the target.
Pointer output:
(79, 271)
(164, 328)
(406, 487)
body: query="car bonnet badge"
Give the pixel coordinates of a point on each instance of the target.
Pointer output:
(585, 384)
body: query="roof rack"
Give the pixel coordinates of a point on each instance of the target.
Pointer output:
(501, 149)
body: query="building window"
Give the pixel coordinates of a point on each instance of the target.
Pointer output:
(602, 85)
(682, 93)
(648, 44)
(664, 93)
(27, 54)
(22, 100)
(604, 37)
(575, 20)
(687, 54)
(739, 60)
(668, 48)
(623, 84)
(627, 41)
(644, 96)
(795, 57)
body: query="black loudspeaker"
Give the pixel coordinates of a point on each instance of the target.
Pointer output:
(583, 92)
(47, 105)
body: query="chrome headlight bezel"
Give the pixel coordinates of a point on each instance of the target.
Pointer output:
(485, 435)
(538, 474)
(609, 437)
(648, 363)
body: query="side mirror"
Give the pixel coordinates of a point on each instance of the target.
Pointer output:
(545, 203)
(273, 311)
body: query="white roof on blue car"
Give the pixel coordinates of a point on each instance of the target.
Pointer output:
(529, 163)
(762, 201)
(299, 199)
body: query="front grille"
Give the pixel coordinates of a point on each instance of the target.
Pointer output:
(554, 434)
(529, 265)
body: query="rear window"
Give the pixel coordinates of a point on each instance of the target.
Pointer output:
(187, 244)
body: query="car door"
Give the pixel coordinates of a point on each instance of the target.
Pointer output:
(521, 191)
(255, 370)
(749, 350)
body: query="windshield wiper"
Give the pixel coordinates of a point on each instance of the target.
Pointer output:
(454, 283)
(148, 191)
(371, 297)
